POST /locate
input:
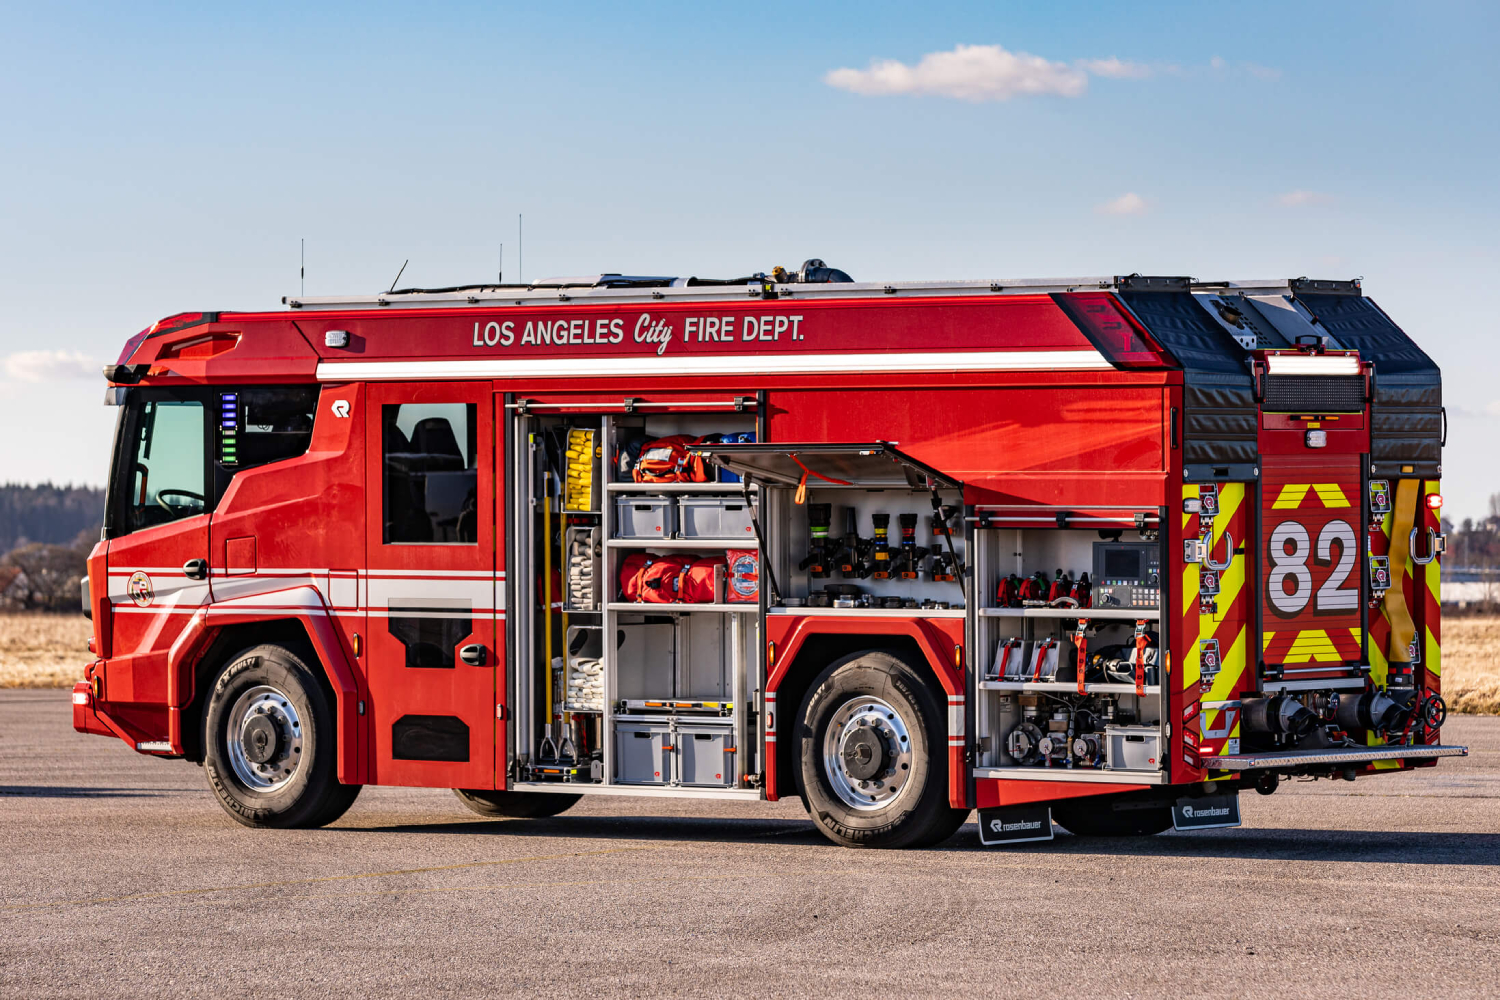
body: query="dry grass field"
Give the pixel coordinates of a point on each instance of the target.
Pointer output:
(50, 651)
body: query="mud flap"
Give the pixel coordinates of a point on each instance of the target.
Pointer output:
(1206, 812)
(1014, 825)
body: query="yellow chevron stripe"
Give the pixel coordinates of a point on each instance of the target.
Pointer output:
(1331, 494)
(1231, 582)
(1190, 584)
(1265, 640)
(1291, 496)
(1380, 668)
(1231, 495)
(1232, 668)
(1313, 644)
(1434, 655)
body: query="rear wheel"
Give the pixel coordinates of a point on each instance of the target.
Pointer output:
(871, 745)
(271, 748)
(515, 805)
(1113, 816)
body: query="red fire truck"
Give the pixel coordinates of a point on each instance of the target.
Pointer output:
(1103, 551)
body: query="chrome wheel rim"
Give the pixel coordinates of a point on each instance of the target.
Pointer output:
(867, 753)
(264, 736)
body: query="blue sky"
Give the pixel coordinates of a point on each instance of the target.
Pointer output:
(157, 158)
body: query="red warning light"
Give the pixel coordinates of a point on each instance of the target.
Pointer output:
(1434, 500)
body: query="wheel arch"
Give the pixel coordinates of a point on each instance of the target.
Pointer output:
(219, 631)
(808, 647)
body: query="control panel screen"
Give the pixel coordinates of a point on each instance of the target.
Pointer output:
(1122, 564)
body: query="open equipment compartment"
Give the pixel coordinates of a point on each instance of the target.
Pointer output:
(642, 692)
(1055, 584)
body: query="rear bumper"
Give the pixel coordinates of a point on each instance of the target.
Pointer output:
(1320, 758)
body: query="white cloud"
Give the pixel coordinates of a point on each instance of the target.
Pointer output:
(1128, 203)
(968, 73)
(50, 366)
(1116, 69)
(1492, 409)
(1300, 197)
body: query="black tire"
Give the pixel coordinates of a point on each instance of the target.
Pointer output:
(1121, 815)
(294, 732)
(844, 804)
(515, 805)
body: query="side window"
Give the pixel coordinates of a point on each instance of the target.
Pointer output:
(167, 469)
(259, 426)
(431, 473)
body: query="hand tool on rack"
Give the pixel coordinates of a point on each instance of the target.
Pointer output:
(880, 550)
(908, 562)
(819, 560)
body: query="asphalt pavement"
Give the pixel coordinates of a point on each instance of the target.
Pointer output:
(123, 878)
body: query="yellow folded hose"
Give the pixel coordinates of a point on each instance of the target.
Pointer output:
(1404, 515)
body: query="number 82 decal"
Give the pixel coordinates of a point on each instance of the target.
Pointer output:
(1289, 576)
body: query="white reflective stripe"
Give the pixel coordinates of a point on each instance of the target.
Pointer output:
(709, 364)
(386, 591)
(440, 574)
(770, 737)
(956, 721)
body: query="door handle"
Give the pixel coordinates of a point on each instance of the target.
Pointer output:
(195, 569)
(472, 655)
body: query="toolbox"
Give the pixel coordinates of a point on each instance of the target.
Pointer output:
(643, 754)
(705, 754)
(715, 517)
(645, 517)
(1133, 748)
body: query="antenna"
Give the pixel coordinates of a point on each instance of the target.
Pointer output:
(303, 273)
(520, 249)
(500, 274)
(399, 274)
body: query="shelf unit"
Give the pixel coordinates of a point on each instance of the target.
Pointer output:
(737, 628)
(689, 544)
(674, 488)
(1065, 687)
(1091, 614)
(1000, 551)
(672, 609)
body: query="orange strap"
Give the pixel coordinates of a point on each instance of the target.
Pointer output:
(1140, 659)
(1041, 657)
(1082, 644)
(801, 495)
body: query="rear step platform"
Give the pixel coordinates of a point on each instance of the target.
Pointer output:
(1299, 758)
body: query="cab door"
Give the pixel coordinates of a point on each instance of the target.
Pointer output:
(158, 555)
(431, 588)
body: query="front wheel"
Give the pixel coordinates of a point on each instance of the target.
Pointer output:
(872, 749)
(272, 752)
(515, 805)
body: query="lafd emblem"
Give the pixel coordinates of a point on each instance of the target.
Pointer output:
(140, 590)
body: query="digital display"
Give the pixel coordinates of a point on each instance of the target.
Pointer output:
(1122, 564)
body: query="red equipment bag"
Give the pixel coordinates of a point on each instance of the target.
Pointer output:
(648, 578)
(668, 460)
(696, 581)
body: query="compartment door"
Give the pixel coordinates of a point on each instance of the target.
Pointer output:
(433, 584)
(1311, 528)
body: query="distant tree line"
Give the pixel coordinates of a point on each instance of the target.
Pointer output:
(46, 532)
(1472, 543)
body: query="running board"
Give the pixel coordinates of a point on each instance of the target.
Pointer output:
(1298, 758)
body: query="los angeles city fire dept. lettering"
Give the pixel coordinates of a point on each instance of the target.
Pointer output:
(647, 331)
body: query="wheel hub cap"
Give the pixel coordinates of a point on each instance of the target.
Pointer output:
(867, 753)
(864, 754)
(260, 739)
(263, 736)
